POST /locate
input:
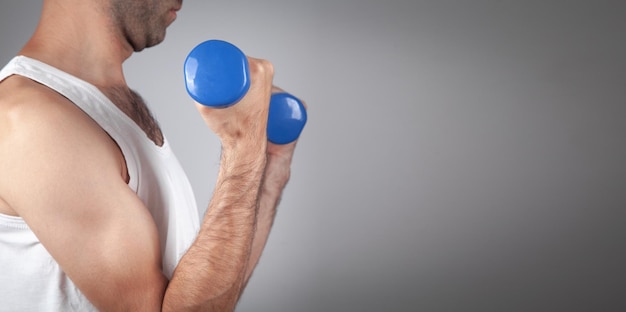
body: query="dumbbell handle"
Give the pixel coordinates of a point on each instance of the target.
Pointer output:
(217, 75)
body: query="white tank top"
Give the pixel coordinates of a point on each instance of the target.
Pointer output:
(30, 279)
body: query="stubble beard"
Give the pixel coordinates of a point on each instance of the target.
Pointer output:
(141, 24)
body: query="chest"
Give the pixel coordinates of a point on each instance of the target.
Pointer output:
(133, 105)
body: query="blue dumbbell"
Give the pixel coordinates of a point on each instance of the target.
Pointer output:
(217, 75)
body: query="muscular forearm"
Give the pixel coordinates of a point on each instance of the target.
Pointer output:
(211, 274)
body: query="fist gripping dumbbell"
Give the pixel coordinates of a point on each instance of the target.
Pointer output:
(217, 75)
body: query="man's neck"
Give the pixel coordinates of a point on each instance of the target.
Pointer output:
(81, 41)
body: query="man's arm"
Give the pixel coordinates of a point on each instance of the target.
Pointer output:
(277, 172)
(211, 275)
(65, 177)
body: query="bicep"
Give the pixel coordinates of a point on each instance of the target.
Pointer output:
(68, 186)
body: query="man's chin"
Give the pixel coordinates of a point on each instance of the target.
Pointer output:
(150, 42)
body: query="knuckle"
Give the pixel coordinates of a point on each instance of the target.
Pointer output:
(261, 66)
(269, 67)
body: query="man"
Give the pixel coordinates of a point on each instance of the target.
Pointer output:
(95, 212)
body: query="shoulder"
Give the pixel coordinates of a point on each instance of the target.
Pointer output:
(40, 127)
(28, 105)
(34, 111)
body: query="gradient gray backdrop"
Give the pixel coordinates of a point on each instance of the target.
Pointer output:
(460, 155)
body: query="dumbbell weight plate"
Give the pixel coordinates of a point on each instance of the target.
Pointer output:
(216, 74)
(287, 117)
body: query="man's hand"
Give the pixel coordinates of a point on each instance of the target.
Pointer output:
(246, 121)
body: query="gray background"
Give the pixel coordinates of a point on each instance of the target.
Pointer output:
(460, 155)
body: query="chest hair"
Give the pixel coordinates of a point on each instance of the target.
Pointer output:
(133, 105)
